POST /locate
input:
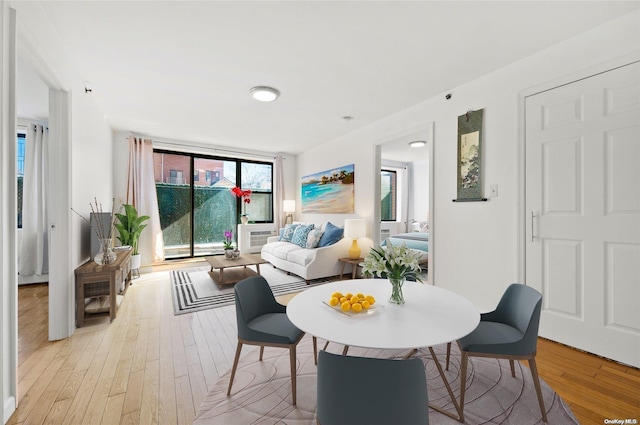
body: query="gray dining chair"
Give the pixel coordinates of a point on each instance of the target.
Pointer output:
(372, 391)
(509, 332)
(263, 321)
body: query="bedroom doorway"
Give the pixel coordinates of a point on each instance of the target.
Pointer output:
(404, 191)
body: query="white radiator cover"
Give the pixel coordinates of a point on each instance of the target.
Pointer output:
(251, 237)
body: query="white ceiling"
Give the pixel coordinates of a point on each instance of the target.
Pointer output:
(183, 70)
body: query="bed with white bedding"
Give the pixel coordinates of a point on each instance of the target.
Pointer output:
(418, 241)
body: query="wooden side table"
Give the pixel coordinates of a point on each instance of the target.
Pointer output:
(94, 280)
(354, 265)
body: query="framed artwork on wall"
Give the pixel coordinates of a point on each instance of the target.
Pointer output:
(470, 157)
(331, 191)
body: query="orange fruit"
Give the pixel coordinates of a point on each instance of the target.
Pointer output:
(365, 304)
(338, 295)
(346, 306)
(356, 307)
(370, 299)
(343, 299)
(333, 301)
(354, 299)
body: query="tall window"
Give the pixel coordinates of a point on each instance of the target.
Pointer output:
(389, 195)
(195, 213)
(22, 138)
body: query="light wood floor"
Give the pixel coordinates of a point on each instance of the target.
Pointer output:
(150, 366)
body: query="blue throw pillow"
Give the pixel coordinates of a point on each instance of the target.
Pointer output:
(288, 232)
(331, 235)
(300, 235)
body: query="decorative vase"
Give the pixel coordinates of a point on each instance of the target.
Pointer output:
(106, 254)
(228, 254)
(236, 254)
(244, 218)
(396, 290)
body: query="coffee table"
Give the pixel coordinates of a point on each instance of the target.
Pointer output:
(219, 263)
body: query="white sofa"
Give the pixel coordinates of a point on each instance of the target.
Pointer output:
(308, 263)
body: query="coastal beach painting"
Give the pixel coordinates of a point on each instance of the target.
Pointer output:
(330, 191)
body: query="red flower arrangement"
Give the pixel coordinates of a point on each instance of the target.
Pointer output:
(244, 194)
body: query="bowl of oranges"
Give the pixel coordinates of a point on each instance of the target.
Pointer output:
(351, 303)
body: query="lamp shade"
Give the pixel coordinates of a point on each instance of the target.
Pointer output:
(288, 206)
(355, 228)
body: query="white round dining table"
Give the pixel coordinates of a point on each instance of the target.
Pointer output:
(430, 315)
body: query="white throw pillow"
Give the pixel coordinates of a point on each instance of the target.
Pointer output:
(313, 238)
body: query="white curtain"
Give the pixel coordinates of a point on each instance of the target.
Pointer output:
(34, 251)
(279, 193)
(141, 193)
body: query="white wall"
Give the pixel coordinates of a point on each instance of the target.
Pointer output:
(92, 169)
(8, 224)
(420, 194)
(475, 252)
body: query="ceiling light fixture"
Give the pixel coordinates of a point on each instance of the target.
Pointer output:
(417, 143)
(264, 93)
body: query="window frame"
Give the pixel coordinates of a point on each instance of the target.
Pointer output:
(20, 131)
(238, 161)
(395, 195)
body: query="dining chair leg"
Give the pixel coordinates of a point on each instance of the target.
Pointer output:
(235, 365)
(536, 383)
(464, 359)
(292, 360)
(261, 351)
(315, 350)
(326, 344)
(448, 355)
(410, 353)
(344, 350)
(513, 368)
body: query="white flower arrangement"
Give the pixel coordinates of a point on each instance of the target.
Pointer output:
(392, 262)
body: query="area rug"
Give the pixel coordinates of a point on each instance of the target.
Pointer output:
(194, 289)
(261, 393)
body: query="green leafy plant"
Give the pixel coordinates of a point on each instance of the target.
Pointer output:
(130, 227)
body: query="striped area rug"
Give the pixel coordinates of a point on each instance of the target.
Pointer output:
(194, 289)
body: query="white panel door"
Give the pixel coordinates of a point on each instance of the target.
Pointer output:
(583, 212)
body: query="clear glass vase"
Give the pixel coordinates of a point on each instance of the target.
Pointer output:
(396, 290)
(106, 254)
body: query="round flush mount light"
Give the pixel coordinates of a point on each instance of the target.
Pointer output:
(417, 143)
(264, 93)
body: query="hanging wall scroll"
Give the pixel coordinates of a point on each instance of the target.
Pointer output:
(470, 157)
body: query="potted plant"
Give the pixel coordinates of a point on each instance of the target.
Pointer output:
(228, 244)
(130, 226)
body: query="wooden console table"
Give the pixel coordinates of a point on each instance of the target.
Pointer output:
(94, 280)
